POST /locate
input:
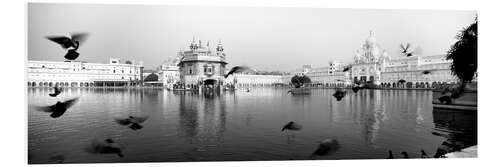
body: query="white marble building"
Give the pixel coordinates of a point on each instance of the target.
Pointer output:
(169, 73)
(201, 66)
(331, 75)
(372, 63)
(249, 80)
(83, 74)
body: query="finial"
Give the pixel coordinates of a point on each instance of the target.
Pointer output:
(371, 33)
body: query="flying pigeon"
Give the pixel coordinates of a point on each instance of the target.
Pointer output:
(291, 126)
(133, 121)
(239, 69)
(59, 108)
(71, 44)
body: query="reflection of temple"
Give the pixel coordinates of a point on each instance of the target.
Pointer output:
(200, 66)
(202, 120)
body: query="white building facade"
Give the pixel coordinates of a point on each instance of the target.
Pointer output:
(250, 80)
(372, 63)
(83, 74)
(169, 73)
(201, 66)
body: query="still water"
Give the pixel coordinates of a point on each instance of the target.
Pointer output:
(239, 125)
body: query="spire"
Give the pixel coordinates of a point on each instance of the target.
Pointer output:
(219, 47)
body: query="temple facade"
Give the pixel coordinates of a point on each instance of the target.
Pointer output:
(201, 66)
(369, 61)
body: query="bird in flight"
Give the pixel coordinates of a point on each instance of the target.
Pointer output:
(71, 44)
(291, 126)
(108, 146)
(326, 147)
(239, 69)
(339, 94)
(59, 108)
(57, 91)
(347, 68)
(133, 121)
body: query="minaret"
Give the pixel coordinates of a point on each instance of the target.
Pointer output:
(220, 48)
(193, 44)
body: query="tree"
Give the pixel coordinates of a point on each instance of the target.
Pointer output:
(299, 81)
(128, 62)
(464, 54)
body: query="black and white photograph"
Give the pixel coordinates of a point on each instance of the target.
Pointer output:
(137, 83)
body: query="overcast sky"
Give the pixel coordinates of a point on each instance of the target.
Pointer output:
(267, 38)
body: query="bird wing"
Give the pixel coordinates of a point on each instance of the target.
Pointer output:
(403, 48)
(48, 109)
(239, 69)
(123, 121)
(68, 103)
(65, 42)
(80, 37)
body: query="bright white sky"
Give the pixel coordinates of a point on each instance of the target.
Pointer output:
(265, 38)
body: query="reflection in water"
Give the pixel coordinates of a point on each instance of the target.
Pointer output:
(458, 128)
(238, 125)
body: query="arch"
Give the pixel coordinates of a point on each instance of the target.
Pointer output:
(409, 84)
(29, 84)
(66, 84)
(434, 84)
(81, 84)
(33, 84)
(45, 84)
(393, 85)
(50, 84)
(86, 84)
(427, 85)
(91, 84)
(40, 84)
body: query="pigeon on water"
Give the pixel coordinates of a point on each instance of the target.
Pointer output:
(239, 69)
(405, 154)
(390, 155)
(326, 147)
(133, 121)
(59, 108)
(57, 91)
(339, 94)
(71, 44)
(108, 146)
(291, 126)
